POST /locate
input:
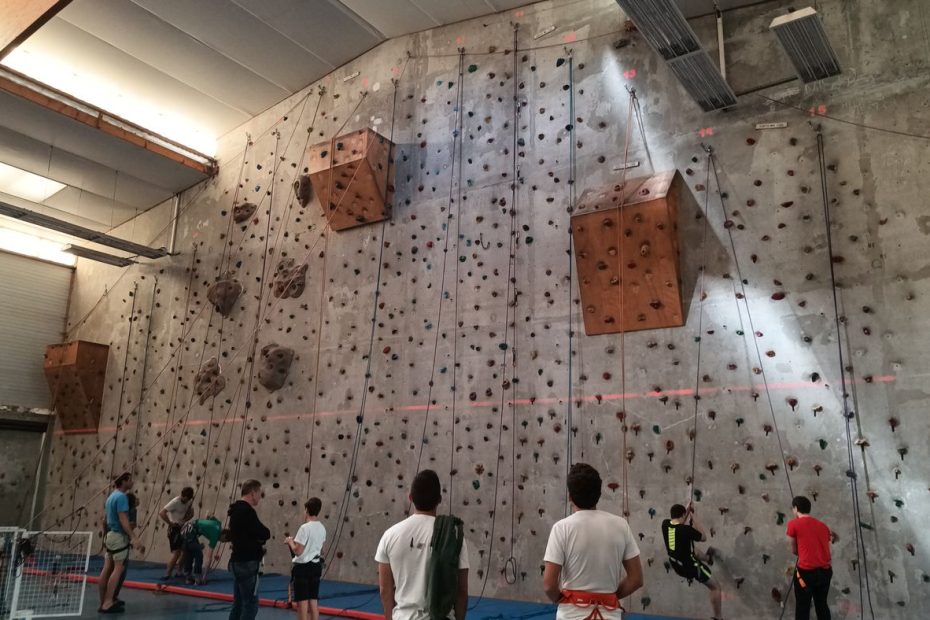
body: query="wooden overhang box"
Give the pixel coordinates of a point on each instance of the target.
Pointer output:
(76, 374)
(350, 177)
(636, 224)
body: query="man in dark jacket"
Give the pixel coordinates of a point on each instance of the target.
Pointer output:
(247, 536)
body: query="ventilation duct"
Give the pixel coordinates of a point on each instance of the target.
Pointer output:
(88, 234)
(802, 35)
(100, 257)
(667, 31)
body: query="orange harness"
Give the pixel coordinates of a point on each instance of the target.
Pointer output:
(578, 598)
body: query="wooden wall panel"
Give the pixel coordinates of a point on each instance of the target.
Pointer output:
(627, 256)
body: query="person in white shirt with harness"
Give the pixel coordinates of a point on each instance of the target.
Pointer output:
(307, 547)
(587, 554)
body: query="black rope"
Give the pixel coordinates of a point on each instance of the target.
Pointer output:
(572, 165)
(700, 330)
(145, 365)
(505, 346)
(122, 386)
(739, 274)
(250, 362)
(847, 413)
(456, 146)
(360, 418)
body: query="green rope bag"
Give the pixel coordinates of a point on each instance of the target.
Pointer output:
(442, 571)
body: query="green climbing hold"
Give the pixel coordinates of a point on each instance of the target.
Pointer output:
(503, 346)
(646, 602)
(461, 259)
(697, 338)
(739, 332)
(865, 525)
(781, 518)
(451, 84)
(698, 494)
(529, 240)
(472, 68)
(739, 421)
(823, 444)
(762, 477)
(899, 503)
(476, 484)
(656, 429)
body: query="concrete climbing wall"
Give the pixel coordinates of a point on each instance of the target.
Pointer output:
(471, 286)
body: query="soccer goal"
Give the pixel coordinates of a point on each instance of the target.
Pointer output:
(43, 574)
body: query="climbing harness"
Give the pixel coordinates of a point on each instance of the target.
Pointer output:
(594, 600)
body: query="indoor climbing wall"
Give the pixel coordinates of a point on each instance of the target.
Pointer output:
(451, 336)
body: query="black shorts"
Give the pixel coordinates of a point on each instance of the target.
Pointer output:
(175, 540)
(693, 570)
(306, 578)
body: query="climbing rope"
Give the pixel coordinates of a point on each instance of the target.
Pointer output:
(699, 338)
(572, 203)
(360, 418)
(122, 381)
(145, 365)
(847, 413)
(455, 155)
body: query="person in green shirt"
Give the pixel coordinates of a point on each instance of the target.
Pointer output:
(195, 569)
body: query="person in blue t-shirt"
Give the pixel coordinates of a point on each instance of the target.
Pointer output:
(119, 537)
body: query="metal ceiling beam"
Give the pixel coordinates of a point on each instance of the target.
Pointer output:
(16, 83)
(67, 228)
(20, 18)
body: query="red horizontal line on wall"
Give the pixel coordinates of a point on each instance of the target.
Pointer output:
(484, 404)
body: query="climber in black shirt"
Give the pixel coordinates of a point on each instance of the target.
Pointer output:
(680, 536)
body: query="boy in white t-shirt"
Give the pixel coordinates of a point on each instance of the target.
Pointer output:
(307, 547)
(404, 554)
(587, 554)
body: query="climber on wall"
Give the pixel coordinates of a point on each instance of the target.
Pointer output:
(680, 533)
(307, 570)
(592, 560)
(175, 514)
(809, 539)
(248, 535)
(423, 560)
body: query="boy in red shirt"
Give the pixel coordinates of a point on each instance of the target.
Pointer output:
(809, 539)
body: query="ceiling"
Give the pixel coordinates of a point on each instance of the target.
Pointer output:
(191, 70)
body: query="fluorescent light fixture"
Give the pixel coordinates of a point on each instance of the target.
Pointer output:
(668, 32)
(88, 234)
(19, 242)
(805, 41)
(27, 185)
(99, 91)
(700, 77)
(100, 257)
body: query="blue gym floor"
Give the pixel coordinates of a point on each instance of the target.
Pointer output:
(335, 594)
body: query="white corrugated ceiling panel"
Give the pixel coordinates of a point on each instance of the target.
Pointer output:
(33, 306)
(328, 29)
(158, 44)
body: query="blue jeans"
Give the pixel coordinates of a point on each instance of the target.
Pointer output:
(193, 561)
(245, 595)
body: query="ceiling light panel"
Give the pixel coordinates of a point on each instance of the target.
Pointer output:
(668, 33)
(27, 185)
(100, 257)
(805, 41)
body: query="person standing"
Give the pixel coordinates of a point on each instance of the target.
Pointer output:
(175, 514)
(133, 520)
(247, 535)
(680, 537)
(307, 547)
(423, 560)
(119, 537)
(809, 539)
(592, 560)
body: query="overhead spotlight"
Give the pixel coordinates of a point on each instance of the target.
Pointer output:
(100, 257)
(668, 33)
(802, 35)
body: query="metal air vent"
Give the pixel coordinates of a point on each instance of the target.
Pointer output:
(668, 32)
(802, 35)
(100, 257)
(88, 234)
